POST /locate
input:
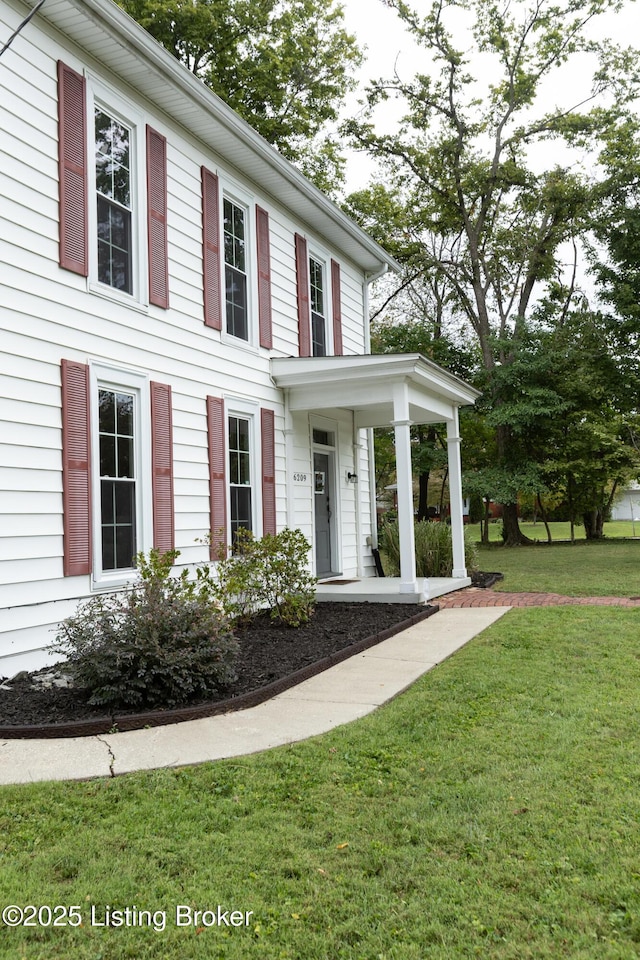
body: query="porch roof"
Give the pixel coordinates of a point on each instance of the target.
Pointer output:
(371, 387)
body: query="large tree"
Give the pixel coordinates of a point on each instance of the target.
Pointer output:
(284, 65)
(471, 195)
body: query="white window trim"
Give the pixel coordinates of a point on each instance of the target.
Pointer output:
(229, 190)
(247, 410)
(100, 95)
(130, 381)
(321, 257)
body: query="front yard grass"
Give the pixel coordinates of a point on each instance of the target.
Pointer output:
(582, 569)
(490, 811)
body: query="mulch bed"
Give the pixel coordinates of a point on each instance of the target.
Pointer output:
(271, 660)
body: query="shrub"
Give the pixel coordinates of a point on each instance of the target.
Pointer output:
(268, 573)
(158, 643)
(434, 553)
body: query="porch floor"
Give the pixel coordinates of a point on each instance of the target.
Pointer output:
(386, 589)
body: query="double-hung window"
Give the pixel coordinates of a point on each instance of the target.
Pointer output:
(235, 269)
(121, 432)
(241, 494)
(117, 456)
(318, 308)
(113, 141)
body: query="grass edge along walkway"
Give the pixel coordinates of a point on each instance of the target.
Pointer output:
(490, 811)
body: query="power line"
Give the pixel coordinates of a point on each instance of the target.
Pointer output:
(21, 27)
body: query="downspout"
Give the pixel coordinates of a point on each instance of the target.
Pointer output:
(373, 503)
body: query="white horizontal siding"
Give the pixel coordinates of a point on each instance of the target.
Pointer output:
(49, 314)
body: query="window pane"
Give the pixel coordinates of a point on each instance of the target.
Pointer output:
(106, 411)
(243, 434)
(124, 408)
(234, 469)
(125, 547)
(107, 501)
(114, 245)
(124, 503)
(125, 457)
(112, 158)
(318, 336)
(245, 472)
(107, 456)
(236, 303)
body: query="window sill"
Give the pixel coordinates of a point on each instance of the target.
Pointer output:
(116, 296)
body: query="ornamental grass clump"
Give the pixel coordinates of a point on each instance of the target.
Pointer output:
(159, 643)
(434, 551)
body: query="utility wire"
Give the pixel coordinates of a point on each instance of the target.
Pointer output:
(21, 27)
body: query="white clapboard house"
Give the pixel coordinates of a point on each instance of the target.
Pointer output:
(183, 332)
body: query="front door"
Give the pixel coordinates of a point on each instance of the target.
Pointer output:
(323, 512)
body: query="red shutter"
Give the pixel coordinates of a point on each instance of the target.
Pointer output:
(217, 474)
(162, 467)
(336, 301)
(76, 472)
(157, 218)
(302, 277)
(211, 250)
(72, 170)
(264, 277)
(268, 472)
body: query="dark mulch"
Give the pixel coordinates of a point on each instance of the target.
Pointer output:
(486, 580)
(270, 656)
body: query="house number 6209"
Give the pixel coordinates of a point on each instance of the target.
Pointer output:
(301, 477)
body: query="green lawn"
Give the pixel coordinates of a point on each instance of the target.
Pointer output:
(582, 569)
(490, 811)
(559, 530)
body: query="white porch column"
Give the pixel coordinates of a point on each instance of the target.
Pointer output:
(401, 425)
(455, 495)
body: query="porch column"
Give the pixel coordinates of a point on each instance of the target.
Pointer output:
(455, 496)
(401, 425)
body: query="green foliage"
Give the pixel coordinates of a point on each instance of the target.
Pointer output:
(268, 573)
(284, 65)
(479, 228)
(154, 644)
(434, 552)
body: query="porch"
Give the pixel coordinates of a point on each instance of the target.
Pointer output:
(394, 391)
(386, 589)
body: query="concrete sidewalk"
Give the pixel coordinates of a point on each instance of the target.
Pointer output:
(345, 692)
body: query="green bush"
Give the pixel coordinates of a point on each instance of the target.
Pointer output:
(269, 573)
(162, 642)
(434, 553)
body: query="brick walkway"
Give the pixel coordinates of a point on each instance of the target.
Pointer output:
(478, 597)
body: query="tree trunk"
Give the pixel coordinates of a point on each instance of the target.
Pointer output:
(484, 531)
(423, 501)
(545, 519)
(511, 533)
(444, 481)
(593, 524)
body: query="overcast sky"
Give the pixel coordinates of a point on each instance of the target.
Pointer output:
(389, 45)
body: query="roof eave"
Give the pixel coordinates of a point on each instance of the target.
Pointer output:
(227, 127)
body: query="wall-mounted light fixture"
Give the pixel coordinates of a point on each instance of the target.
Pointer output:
(352, 477)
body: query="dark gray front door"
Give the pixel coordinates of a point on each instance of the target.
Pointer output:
(323, 511)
